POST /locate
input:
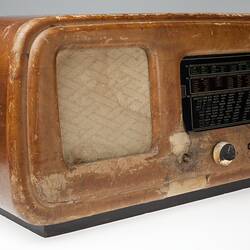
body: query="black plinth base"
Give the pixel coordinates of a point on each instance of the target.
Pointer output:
(53, 230)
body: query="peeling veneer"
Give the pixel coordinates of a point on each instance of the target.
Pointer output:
(180, 143)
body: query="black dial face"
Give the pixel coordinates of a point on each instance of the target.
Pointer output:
(215, 91)
(227, 152)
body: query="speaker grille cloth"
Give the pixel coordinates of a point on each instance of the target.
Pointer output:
(104, 103)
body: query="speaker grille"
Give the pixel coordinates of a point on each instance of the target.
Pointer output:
(104, 103)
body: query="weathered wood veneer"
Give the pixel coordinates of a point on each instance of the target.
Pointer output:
(37, 186)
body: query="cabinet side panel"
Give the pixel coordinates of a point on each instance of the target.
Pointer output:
(8, 28)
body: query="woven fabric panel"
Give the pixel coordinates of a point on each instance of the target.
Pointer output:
(104, 103)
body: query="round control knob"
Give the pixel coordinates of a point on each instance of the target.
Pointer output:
(224, 153)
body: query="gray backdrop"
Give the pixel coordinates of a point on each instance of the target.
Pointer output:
(50, 7)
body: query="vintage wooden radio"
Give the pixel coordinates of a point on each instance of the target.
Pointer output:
(109, 116)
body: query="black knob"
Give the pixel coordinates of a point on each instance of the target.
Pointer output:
(227, 152)
(224, 153)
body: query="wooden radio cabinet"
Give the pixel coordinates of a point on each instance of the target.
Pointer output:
(109, 116)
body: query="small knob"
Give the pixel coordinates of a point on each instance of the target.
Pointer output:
(224, 153)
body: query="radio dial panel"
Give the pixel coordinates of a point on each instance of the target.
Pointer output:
(216, 91)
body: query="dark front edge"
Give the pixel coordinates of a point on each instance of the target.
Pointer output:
(53, 230)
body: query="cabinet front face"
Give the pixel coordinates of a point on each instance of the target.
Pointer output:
(111, 112)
